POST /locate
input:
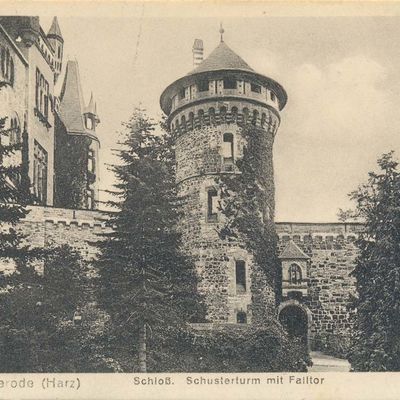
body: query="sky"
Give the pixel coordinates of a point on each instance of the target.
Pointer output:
(340, 68)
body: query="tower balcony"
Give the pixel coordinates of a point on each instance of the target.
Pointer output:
(265, 97)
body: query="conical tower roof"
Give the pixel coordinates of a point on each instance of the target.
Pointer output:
(71, 100)
(293, 252)
(220, 61)
(222, 58)
(55, 30)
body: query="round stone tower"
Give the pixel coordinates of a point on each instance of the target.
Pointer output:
(206, 109)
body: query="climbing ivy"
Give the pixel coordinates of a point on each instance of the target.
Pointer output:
(247, 202)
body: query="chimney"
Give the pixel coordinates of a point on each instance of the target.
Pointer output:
(197, 52)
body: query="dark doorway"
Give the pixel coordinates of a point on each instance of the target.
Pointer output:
(294, 319)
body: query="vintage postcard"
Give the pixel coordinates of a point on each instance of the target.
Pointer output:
(199, 200)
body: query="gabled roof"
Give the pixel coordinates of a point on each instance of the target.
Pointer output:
(71, 100)
(293, 252)
(222, 58)
(55, 29)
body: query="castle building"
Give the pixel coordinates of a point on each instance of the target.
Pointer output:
(206, 109)
(31, 62)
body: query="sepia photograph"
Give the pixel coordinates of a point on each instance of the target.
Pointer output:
(199, 188)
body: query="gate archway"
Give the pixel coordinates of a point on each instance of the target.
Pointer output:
(296, 318)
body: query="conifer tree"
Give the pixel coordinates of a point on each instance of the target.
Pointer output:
(148, 285)
(13, 196)
(376, 344)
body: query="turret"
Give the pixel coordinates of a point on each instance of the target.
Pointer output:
(90, 115)
(57, 43)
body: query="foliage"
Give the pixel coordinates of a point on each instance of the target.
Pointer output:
(247, 201)
(247, 348)
(38, 332)
(72, 173)
(13, 197)
(146, 281)
(376, 344)
(346, 215)
(336, 345)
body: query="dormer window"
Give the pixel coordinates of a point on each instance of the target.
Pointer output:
(230, 83)
(89, 122)
(255, 88)
(203, 85)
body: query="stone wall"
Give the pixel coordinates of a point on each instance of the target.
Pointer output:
(46, 226)
(332, 254)
(331, 249)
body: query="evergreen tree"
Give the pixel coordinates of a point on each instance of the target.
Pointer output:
(13, 194)
(148, 285)
(48, 321)
(376, 344)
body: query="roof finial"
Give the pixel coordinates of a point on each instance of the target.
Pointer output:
(221, 31)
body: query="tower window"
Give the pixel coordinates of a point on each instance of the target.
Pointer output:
(230, 83)
(240, 276)
(212, 204)
(241, 317)
(227, 148)
(272, 95)
(294, 274)
(182, 94)
(202, 86)
(255, 88)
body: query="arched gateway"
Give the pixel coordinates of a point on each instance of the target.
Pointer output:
(296, 318)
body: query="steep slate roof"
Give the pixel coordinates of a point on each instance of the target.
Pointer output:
(292, 251)
(222, 58)
(55, 29)
(71, 100)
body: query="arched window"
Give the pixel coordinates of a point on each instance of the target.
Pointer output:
(263, 119)
(227, 148)
(245, 115)
(191, 120)
(294, 274)
(255, 117)
(211, 113)
(234, 112)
